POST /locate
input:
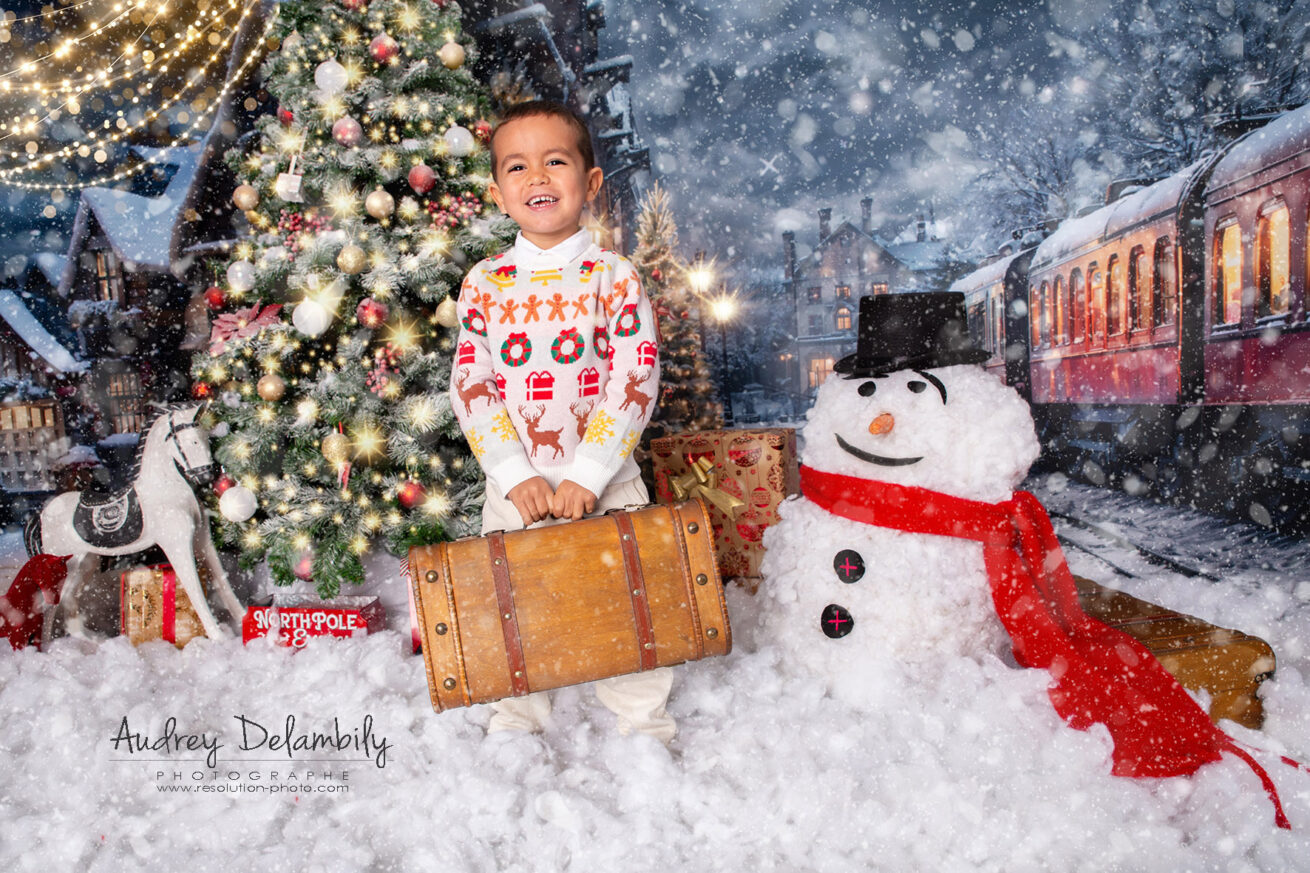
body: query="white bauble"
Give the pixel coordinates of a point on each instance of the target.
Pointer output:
(331, 77)
(446, 316)
(379, 203)
(460, 141)
(452, 55)
(238, 503)
(241, 275)
(311, 318)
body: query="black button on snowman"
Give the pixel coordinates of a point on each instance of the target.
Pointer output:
(897, 333)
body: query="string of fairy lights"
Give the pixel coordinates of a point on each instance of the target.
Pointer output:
(141, 74)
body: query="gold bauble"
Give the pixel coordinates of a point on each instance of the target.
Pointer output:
(452, 55)
(379, 204)
(245, 197)
(271, 387)
(446, 316)
(352, 259)
(336, 448)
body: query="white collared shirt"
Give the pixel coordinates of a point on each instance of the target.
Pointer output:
(531, 256)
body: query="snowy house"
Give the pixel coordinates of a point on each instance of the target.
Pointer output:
(848, 263)
(34, 365)
(122, 296)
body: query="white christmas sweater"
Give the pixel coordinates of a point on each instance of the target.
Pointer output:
(556, 366)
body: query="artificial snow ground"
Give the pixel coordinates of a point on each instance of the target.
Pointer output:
(968, 770)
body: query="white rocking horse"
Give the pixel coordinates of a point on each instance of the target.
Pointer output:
(158, 508)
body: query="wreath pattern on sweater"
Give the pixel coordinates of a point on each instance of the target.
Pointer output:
(516, 349)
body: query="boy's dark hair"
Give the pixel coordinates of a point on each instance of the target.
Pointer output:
(549, 108)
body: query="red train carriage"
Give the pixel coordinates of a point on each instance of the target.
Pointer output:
(995, 297)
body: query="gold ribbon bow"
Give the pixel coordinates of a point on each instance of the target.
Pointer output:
(701, 481)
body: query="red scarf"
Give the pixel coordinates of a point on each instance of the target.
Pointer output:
(1098, 674)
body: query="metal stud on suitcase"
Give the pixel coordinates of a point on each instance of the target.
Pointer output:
(511, 613)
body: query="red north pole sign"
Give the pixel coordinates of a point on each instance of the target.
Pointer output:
(295, 618)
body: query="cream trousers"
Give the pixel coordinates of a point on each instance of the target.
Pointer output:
(637, 699)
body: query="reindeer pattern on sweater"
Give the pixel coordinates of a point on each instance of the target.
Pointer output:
(556, 365)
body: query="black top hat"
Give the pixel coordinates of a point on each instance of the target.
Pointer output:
(911, 331)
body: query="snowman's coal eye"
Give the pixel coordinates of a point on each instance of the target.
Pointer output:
(916, 386)
(866, 389)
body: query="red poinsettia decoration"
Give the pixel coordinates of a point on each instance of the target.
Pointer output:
(240, 324)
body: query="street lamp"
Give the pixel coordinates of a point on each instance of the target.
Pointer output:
(723, 309)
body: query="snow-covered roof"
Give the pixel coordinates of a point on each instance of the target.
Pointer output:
(51, 265)
(140, 228)
(17, 316)
(1283, 138)
(1077, 234)
(919, 256)
(985, 276)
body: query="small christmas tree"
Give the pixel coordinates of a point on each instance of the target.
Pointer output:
(687, 396)
(333, 334)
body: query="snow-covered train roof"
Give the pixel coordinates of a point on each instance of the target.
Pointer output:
(1284, 137)
(985, 276)
(1076, 235)
(32, 332)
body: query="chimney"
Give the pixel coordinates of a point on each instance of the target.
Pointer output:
(789, 254)
(825, 222)
(921, 229)
(866, 215)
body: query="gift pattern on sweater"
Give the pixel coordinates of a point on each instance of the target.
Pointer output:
(556, 368)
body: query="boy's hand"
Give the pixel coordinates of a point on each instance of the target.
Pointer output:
(572, 501)
(532, 498)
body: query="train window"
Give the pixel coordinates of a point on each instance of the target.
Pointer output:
(843, 318)
(1079, 294)
(1096, 306)
(1272, 268)
(1048, 316)
(1139, 289)
(1228, 273)
(1061, 331)
(1163, 285)
(1114, 295)
(995, 322)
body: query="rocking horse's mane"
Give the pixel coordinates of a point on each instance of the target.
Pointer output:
(159, 411)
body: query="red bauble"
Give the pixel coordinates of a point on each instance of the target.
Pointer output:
(383, 48)
(411, 494)
(657, 274)
(422, 178)
(371, 313)
(222, 483)
(201, 390)
(304, 568)
(355, 5)
(441, 4)
(482, 130)
(284, 115)
(215, 297)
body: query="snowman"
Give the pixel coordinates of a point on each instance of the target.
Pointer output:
(910, 407)
(909, 546)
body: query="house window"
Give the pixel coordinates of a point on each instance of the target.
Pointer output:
(126, 405)
(843, 292)
(1078, 291)
(1115, 289)
(109, 278)
(876, 288)
(589, 382)
(1228, 273)
(1096, 306)
(819, 370)
(816, 325)
(814, 294)
(1139, 289)
(844, 317)
(28, 435)
(1272, 268)
(541, 386)
(1163, 286)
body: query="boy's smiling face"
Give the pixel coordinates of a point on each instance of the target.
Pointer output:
(542, 181)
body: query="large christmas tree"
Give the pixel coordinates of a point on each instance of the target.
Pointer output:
(334, 324)
(687, 395)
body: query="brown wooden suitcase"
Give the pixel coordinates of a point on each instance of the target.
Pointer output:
(512, 613)
(1228, 664)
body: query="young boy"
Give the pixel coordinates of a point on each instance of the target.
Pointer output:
(556, 370)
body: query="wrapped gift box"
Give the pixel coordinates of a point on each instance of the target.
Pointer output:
(294, 618)
(741, 474)
(153, 606)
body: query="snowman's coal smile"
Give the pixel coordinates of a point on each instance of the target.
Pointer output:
(875, 459)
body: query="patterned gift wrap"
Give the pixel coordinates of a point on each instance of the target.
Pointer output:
(153, 606)
(294, 618)
(742, 475)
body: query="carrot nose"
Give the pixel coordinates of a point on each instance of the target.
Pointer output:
(882, 424)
